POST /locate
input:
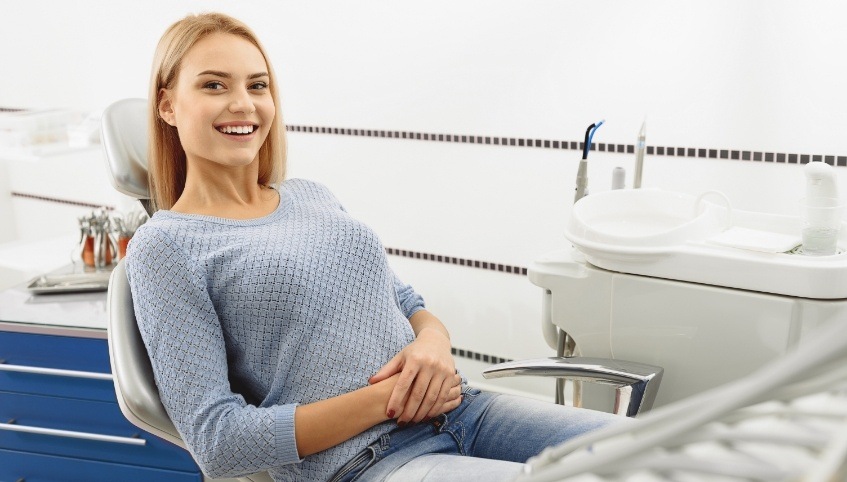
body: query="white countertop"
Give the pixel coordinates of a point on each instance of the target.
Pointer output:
(84, 314)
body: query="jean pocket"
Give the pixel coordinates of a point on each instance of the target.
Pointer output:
(469, 391)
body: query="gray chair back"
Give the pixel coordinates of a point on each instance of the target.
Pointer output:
(124, 134)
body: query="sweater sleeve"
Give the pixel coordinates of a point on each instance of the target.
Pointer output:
(410, 301)
(180, 328)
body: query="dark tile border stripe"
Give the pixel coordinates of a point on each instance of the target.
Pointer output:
(471, 263)
(62, 201)
(668, 151)
(472, 355)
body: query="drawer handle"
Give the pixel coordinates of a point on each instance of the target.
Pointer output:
(55, 372)
(71, 434)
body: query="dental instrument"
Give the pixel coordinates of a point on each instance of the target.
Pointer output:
(639, 155)
(582, 173)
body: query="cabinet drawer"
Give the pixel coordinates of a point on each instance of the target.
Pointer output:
(55, 365)
(82, 428)
(29, 467)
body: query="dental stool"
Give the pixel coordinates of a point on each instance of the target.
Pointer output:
(124, 134)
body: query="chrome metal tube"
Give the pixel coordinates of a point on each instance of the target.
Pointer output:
(636, 384)
(55, 372)
(72, 434)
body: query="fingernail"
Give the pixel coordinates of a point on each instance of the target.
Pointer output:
(391, 414)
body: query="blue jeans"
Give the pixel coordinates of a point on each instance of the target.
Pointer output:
(487, 438)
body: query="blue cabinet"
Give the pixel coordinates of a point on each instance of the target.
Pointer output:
(59, 419)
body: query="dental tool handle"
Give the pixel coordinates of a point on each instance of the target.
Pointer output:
(639, 163)
(640, 147)
(581, 180)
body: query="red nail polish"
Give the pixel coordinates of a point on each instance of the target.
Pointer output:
(391, 414)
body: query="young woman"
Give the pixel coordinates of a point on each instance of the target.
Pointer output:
(280, 339)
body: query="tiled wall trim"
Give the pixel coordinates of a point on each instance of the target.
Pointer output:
(472, 355)
(62, 201)
(694, 152)
(471, 263)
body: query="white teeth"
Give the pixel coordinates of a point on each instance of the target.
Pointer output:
(236, 129)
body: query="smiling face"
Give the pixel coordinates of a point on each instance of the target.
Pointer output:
(220, 105)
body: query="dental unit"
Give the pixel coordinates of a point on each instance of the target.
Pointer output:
(688, 283)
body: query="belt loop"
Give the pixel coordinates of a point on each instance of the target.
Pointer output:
(384, 442)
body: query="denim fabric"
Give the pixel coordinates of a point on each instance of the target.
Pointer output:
(487, 438)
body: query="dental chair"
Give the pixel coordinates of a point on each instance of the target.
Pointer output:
(785, 422)
(124, 137)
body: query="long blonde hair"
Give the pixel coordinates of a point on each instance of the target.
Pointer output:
(166, 158)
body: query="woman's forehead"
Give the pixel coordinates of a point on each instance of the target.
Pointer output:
(224, 53)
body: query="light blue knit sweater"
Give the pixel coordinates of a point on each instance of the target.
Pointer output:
(245, 319)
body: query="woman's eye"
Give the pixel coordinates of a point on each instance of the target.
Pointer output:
(214, 85)
(259, 86)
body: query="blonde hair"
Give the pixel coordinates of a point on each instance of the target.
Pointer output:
(166, 158)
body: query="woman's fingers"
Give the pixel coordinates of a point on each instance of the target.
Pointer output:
(451, 390)
(392, 367)
(399, 396)
(422, 395)
(449, 397)
(454, 399)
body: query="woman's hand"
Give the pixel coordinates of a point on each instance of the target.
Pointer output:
(428, 384)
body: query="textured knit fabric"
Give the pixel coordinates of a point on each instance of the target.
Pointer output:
(245, 319)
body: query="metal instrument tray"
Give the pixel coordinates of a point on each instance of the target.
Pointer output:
(68, 283)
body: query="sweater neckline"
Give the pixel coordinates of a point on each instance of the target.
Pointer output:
(270, 217)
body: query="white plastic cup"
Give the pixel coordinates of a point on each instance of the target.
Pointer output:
(821, 225)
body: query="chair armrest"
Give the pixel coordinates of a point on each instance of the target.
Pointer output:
(636, 384)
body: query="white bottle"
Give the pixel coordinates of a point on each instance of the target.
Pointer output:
(821, 211)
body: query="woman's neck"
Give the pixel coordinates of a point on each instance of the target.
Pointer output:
(226, 193)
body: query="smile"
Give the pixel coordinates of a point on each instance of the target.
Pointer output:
(237, 130)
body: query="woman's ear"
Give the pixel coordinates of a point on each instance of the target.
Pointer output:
(166, 109)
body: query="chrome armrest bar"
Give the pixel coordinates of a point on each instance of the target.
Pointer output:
(636, 384)
(54, 372)
(72, 434)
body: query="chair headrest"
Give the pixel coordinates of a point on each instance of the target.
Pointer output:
(124, 135)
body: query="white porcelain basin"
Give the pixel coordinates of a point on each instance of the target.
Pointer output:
(644, 218)
(677, 236)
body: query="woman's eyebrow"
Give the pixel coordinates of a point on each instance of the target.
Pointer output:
(225, 75)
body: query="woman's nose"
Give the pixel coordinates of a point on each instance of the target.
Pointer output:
(242, 102)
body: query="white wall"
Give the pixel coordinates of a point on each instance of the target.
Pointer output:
(764, 76)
